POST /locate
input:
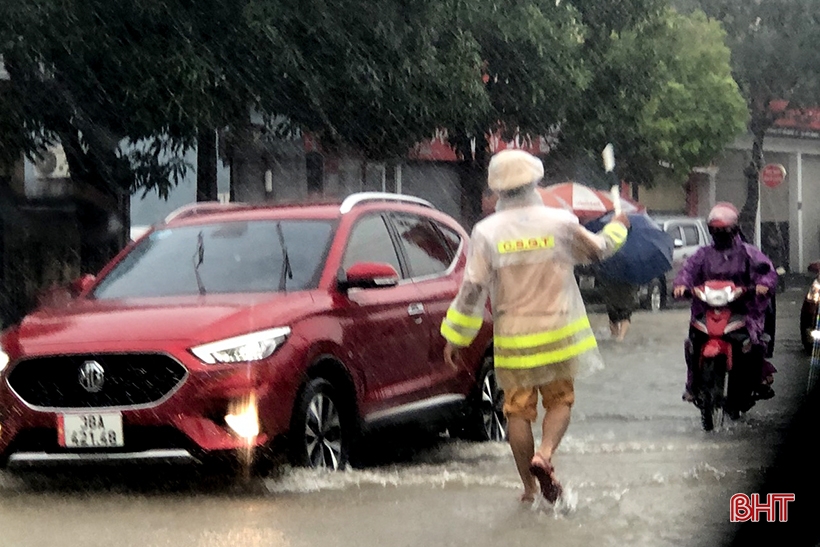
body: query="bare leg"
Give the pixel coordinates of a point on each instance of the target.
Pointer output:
(614, 328)
(556, 422)
(523, 448)
(623, 326)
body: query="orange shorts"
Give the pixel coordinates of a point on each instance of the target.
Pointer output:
(522, 402)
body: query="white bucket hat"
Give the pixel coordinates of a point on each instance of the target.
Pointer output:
(510, 169)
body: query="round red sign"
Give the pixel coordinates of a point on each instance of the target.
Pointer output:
(773, 175)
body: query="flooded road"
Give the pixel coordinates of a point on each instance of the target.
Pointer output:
(636, 467)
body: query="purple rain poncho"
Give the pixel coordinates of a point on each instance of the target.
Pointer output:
(736, 264)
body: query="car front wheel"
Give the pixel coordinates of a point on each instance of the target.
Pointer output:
(320, 433)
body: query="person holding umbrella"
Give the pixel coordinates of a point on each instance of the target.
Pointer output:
(523, 256)
(646, 256)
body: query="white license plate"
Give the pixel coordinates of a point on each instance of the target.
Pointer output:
(90, 430)
(586, 282)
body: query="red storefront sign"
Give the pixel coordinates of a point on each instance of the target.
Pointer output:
(439, 149)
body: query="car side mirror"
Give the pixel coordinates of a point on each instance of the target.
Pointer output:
(81, 285)
(367, 275)
(814, 267)
(678, 243)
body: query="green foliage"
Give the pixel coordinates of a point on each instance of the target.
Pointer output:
(94, 75)
(698, 108)
(662, 93)
(378, 76)
(774, 53)
(774, 57)
(532, 53)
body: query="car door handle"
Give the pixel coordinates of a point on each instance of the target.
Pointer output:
(415, 309)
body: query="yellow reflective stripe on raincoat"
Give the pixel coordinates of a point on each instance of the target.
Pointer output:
(455, 337)
(461, 320)
(617, 232)
(547, 357)
(526, 341)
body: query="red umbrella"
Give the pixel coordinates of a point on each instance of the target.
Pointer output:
(585, 202)
(489, 201)
(628, 205)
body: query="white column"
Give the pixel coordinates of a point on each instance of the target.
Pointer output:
(800, 257)
(757, 215)
(712, 188)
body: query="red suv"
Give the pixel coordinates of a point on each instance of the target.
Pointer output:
(233, 326)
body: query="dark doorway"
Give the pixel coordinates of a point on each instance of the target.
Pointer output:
(774, 242)
(314, 168)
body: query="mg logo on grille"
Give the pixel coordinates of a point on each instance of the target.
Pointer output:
(92, 376)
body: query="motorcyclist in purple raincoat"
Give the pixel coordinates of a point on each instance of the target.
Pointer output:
(730, 259)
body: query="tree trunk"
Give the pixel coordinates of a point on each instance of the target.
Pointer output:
(748, 214)
(102, 198)
(247, 165)
(206, 188)
(762, 120)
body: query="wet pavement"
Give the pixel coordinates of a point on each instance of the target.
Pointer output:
(636, 467)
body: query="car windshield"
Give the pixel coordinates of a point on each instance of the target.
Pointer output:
(230, 257)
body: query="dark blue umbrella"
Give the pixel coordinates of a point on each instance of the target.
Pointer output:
(646, 255)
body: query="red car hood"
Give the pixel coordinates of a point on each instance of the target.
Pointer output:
(194, 319)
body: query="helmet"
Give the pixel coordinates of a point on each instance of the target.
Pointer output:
(722, 215)
(511, 169)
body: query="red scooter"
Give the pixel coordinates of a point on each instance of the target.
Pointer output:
(720, 383)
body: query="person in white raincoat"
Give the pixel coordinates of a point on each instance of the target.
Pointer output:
(524, 255)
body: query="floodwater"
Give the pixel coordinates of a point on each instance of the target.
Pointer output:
(636, 467)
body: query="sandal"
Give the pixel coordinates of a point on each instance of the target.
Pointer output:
(543, 470)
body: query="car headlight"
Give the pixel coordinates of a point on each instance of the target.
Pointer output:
(814, 292)
(248, 347)
(4, 359)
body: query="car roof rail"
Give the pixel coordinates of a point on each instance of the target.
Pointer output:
(200, 208)
(361, 197)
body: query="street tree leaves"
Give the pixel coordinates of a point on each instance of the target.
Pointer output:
(377, 77)
(127, 86)
(662, 93)
(774, 57)
(698, 108)
(532, 64)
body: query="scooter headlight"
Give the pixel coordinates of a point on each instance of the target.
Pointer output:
(718, 297)
(814, 292)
